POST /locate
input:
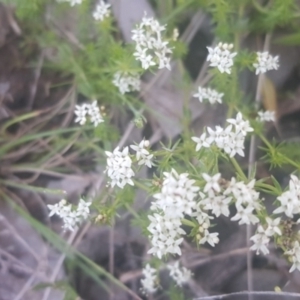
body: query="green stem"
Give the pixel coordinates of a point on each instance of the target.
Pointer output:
(132, 211)
(142, 186)
(266, 186)
(33, 188)
(238, 169)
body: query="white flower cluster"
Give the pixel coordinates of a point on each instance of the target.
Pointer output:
(151, 49)
(142, 154)
(290, 199)
(231, 139)
(126, 82)
(266, 116)
(175, 200)
(204, 236)
(181, 275)
(211, 95)
(118, 167)
(221, 57)
(262, 237)
(265, 62)
(246, 201)
(101, 11)
(294, 254)
(71, 217)
(149, 283)
(217, 203)
(72, 2)
(91, 110)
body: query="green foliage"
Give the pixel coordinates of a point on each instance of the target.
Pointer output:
(176, 293)
(279, 154)
(27, 10)
(88, 62)
(141, 221)
(275, 14)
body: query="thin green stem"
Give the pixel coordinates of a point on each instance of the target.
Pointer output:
(33, 188)
(142, 186)
(238, 169)
(132, 211)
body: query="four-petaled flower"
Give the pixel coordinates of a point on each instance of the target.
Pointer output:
(212, 183)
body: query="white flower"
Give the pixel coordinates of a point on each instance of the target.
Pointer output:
(149, 283)
(71, 217)
(266, 116)
(273, 226)
(72, 2)
(142, 155)
(58, 208)
(296, 264)
(294, 254)
(151, 49)
(211, 95)
(265, 62)
(290, 199)
(118, 167)
(231, 139)
(126, 82)
(211, 238)
(92, 110)
(221, 57)
(94, 113)
(260, 240)
(177, 195)
(219, 204)
(175, 200)
(181, 275)
(244, 194)
(202, 217)
(83, 209)
(101, 11)
(245, 215)
(212, 183)
(80, 112)
(201, 141)
(163, 60)
(165, 234)
(240, 124)
(146, 59)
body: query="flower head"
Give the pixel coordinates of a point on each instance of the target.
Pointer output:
(290, 199)
(118, 167)
(294, 255)
(151, 49)
(101, 11)
(149, 282)
(91, 110)
(266, 116)
(221, 57)
(71, 217)
(126, 82)
(175, 200)
(211, 95)
(265, 62)
(181, 275)
(261, 241)
(142, 154)
(231, 139)
(212, 183)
